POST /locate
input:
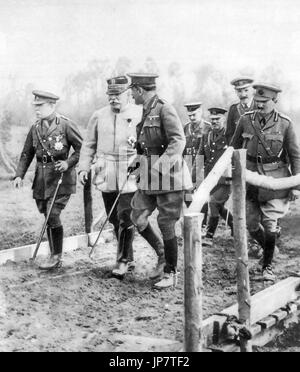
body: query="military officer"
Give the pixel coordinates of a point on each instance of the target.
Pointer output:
(163, 174)
(244, 92)
(212, 147)
(272, 150)
(194, 130)
(110, 134)
(50, 140)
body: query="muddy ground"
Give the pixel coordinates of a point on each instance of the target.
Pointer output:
(82, 308)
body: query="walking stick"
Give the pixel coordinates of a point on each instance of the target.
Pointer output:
(109, 214)
(47, 218)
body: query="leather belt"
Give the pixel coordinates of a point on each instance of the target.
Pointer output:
(157, 150)
(45, 159)
(265, 160)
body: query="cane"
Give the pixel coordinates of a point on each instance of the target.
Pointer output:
(109, 214)
(47, 218)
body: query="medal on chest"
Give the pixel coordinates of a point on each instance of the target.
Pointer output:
(58, 143)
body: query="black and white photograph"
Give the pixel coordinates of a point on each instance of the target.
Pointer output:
(149, 178)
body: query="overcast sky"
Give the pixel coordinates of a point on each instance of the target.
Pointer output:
(41, 41)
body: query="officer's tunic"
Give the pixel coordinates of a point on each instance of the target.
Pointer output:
(212, 148)
(234, 113)
(163, 173)
(193, 134)
(58, 140)
(281, 160)
(107, 142)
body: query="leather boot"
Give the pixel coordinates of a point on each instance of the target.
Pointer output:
(56, 244)
(170, 271)
(204, 210)
(157, 244)
(270, 240)
(259, 236)
(211, 228)
(125, 252)
(171, 255)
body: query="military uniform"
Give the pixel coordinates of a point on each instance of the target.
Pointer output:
(107, 143)
(238, 109)
(163, 173)
(212, 148)
(50, 140)
(272, 150)
(235, 111)
(194, 131)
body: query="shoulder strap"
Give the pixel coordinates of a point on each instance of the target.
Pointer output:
(259, 136)
(42, 144)
(147, 112)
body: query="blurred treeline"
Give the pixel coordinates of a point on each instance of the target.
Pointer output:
(84, 91)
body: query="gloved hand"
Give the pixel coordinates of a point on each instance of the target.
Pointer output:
(18, 183)
(294, 194)
(83, 177)
(133, 167)
(61, 166)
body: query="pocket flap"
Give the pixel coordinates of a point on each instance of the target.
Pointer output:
(152, 121)
(274, 137)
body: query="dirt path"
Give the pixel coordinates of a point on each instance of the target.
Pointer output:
(82, 308)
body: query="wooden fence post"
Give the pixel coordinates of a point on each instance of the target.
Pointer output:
(88, 204)
(240, 243)
(193, 285)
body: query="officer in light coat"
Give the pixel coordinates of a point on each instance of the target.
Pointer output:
(109, 140)
(50, 140)
(272, 149)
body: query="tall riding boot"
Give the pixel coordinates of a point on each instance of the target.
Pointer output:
(170, 270)
(50, 240)
(270, 239)
(125, 251)
(157, 244)
(56, 242)
(259, 236)
(227, 217)
(204, 210)
(212, 226)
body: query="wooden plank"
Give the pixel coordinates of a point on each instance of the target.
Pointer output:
(263, 304)
(25, 252)
(271, 183)
(261, 338)
(279, 314)
(201, 195)
(268, 334)
(267, 322)
(270, 299)
(212, 329)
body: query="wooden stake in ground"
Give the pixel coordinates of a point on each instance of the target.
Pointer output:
(88, 204)
(240, 243)
(193, 286)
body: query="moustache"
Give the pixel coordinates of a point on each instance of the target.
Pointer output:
(113, 101)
